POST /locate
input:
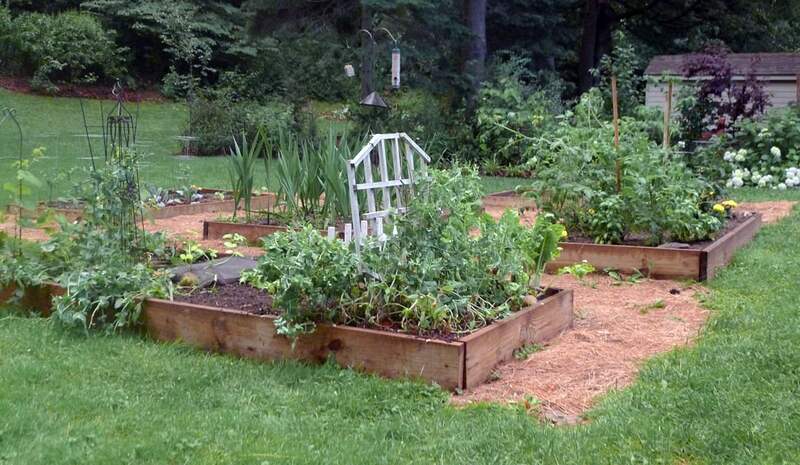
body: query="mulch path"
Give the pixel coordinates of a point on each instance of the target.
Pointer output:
(617, 327)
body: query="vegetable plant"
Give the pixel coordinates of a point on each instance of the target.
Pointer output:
(450, 269)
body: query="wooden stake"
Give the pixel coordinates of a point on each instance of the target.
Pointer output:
(667, 115)
(615, 110)
(797, 91)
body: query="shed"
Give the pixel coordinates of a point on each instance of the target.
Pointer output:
(779, 72)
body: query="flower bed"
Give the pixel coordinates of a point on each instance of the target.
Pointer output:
(458, 364)
(662, 262)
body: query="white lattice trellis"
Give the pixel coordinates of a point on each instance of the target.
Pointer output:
(388, 195)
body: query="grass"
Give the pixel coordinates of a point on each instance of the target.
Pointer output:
(57, 125)
(731, 399)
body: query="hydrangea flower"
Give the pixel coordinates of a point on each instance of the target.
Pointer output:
(776, 152)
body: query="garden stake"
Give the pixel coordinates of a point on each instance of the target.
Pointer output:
(615, 110)
(667, 115)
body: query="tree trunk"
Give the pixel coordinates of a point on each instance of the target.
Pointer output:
(475, 63)
(367, 52)
(598, 22)
(605, 24)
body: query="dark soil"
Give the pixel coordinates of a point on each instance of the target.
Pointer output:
(251, 300)
(737, 219)
(232, 296)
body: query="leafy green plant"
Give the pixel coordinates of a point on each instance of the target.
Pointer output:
(658, 198)
(449, 269)
(107, 296)
(579, 270)
(527, 350)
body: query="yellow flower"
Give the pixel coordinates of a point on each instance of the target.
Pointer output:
(564, 234)
(719, 208)
(730, 204)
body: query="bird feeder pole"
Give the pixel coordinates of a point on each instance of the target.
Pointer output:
(615, 111)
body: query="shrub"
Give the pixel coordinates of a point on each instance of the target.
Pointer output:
(420, 114)
(513, 102)
(69, 47)
(763, 152)
(714, 105)
(217, 118)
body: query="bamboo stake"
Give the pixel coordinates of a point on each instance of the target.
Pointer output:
(667, 115)
(615, 110)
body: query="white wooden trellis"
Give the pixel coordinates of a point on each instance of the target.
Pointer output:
(396, 181)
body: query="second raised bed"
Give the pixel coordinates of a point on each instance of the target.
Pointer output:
(662, 262)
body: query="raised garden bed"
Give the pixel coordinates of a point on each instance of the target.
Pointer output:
(459, 363)
(215, 230)
(699, 263)
(209, 205)
(456, 364)
(507, 199)
(37, 298)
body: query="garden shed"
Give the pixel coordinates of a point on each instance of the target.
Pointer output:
(779, 72)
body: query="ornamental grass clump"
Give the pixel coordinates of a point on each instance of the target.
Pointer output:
(450, 268)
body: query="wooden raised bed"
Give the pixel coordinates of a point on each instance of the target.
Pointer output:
(507, 199)
(461, 364)
(39, 298)
(658, 262)
(214, 230)
(259, 202)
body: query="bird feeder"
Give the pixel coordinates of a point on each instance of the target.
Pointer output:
(396, 68)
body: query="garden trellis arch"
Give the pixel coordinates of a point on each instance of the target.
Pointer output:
(390, 194)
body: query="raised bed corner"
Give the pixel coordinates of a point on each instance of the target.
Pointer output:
(658, 262)
(460, 364)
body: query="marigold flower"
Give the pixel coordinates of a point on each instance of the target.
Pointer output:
(730, 204)
(718, 208)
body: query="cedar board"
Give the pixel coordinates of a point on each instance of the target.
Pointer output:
(661, 263)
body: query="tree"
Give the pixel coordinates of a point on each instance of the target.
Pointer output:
(475, 61)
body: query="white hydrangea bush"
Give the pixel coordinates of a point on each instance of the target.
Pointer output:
(764, 153)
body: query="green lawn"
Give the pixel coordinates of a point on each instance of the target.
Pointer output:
(733, 398)
(57, 125)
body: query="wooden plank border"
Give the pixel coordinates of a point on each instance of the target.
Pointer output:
(460, 364)
(662, 263)
(463, 363)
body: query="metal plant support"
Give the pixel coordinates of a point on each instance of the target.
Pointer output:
(9, 114)
(119, 131)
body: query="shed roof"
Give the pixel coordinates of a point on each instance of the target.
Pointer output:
(763, 64)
